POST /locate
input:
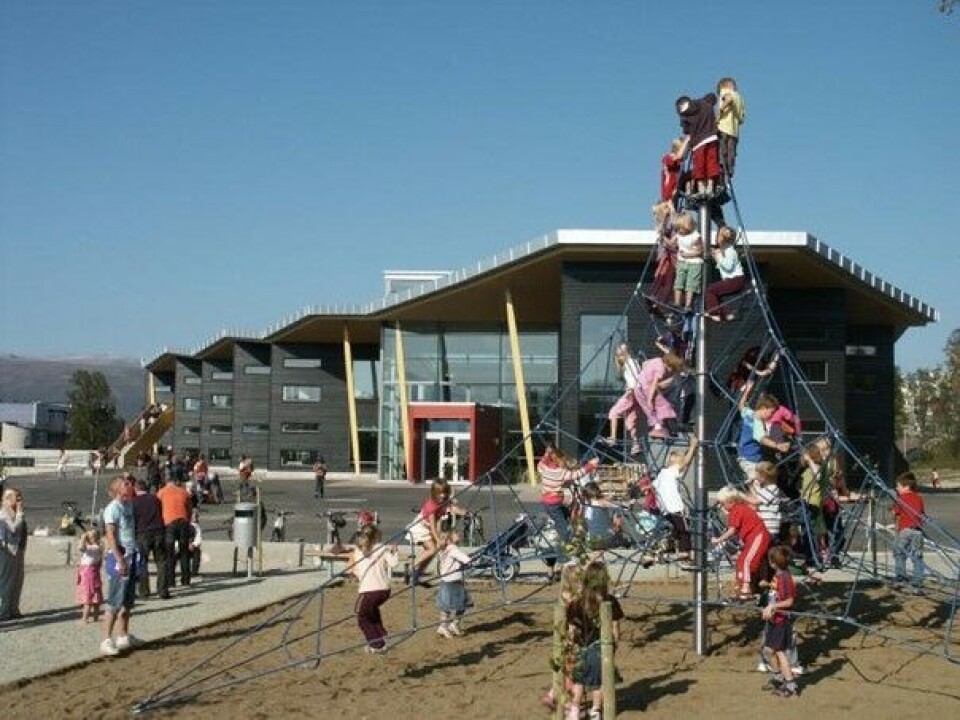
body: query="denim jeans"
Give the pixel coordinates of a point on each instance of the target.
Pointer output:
(909, 544)
(561, 520)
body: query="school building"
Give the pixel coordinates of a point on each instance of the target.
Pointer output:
(424, 382)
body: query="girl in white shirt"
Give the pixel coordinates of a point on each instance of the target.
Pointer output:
(372, 565)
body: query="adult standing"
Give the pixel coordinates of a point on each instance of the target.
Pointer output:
(13, 548)
(148, 520)
(175, 506)
(319, 476)
(121, 563)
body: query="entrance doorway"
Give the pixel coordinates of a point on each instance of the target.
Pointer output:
(454, 441)
(446, 455)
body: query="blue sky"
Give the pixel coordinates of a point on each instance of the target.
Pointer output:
(170, 169)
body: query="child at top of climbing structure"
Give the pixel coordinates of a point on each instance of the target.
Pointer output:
(732, 279)
(699, 125)
(689, 275)
(731, 114)
(670, 165)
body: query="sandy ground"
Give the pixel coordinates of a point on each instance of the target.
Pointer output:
(500, 667)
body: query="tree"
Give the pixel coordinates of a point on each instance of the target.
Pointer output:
(950, 395)
(946, 6)
(93, 413)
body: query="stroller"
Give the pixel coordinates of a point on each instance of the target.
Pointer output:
(501, 555)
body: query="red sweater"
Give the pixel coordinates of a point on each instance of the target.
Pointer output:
(908, 510)
(745, 520)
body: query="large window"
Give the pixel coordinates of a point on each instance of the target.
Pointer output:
(302, 363)
(368, 449)
(191, 430)
(298, 458)
(255, 428)
(256, 369)
(221, 375)
(599, 383)
(192, 380)
(191, 404)
(221, 430)
(599, 335)
(300, 427)
(222, 402)
(366, 379)
(301, 393)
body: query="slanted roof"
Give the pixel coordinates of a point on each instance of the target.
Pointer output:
(532, 273)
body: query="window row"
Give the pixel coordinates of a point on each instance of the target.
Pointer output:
(290, 393)
(297, 428)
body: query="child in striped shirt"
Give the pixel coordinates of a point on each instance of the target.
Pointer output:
(766, 498)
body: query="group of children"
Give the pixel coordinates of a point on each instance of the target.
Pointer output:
(711, 133)
(372, 563)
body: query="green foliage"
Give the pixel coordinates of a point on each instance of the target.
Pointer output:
(93, 413)
(929, 399)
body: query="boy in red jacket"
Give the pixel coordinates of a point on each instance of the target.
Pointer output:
(908, 509)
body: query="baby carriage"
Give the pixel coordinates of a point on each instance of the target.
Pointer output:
(501, 555)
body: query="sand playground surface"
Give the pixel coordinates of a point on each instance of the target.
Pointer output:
(500, 667)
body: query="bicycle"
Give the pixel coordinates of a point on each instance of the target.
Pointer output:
(336, 520)
(72, 521)
(469, 526)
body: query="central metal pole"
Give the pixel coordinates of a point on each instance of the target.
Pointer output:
(700, 497)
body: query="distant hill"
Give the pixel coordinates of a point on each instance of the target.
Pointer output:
(27, 379)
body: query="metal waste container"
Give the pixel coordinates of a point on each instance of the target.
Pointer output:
(244, 525)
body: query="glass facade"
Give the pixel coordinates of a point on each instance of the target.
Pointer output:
(463, 364)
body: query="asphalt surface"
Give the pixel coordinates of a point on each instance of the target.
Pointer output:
(396, 503)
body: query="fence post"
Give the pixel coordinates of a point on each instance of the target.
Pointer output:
(559, 686)
(608, 671)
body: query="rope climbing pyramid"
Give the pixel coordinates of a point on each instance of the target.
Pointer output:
(710, 397)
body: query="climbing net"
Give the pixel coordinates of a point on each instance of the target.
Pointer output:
(847, 542)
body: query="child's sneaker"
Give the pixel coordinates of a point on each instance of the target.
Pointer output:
(455, 628)
(797, 669)
(763, 667)
(787, 691)
(572, 712)
(108, 648)
(595, 714)
(445, 631)
(125, 642)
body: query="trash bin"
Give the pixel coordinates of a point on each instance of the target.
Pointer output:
(244, 525)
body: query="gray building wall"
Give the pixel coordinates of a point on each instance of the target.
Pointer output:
(330, 413)
(251, 402)
(216, 425)
(188, 381)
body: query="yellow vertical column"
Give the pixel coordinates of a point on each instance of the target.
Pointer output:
(351, 399)
(521, 389)
(404, 410)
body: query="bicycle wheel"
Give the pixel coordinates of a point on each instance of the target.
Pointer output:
(506, 567)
